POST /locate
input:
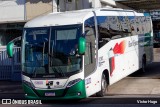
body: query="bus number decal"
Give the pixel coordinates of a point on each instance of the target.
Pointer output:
(88, 81)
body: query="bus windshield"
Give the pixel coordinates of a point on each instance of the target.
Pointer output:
(51, 52)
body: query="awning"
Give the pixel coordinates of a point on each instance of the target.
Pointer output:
(141, 4)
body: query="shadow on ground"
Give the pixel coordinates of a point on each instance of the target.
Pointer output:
(152, 71)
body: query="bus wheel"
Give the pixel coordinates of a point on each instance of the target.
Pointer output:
(104, 86)
(143, 64)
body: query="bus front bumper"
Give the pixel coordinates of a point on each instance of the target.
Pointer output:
(77, 91)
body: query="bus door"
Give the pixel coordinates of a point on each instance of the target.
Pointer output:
(90, 53)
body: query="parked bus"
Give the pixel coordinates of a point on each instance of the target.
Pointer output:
(156, 37)
(76, 54)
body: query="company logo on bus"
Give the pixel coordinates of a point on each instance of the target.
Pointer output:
(49, 83)
(119, 48)
(116, 50)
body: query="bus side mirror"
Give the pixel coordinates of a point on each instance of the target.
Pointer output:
(81, 45)
(10, 46)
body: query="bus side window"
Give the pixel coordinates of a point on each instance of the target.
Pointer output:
(139, 24)
(116, 36)
(103, 41)
(104, 37)
(125, 28)
(88, 55)
(148, 24)
(115, 27)
(103, 30)
(133, 25)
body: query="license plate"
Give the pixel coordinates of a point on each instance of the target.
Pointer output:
(50, 94)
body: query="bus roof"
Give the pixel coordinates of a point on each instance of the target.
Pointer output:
(72, 17)
(56, 19)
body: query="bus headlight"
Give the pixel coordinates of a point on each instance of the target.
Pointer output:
(73, 82)
(30, 84)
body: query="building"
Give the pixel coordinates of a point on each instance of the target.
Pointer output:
(14, 14)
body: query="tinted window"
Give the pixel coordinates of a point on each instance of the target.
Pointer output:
(90, 54)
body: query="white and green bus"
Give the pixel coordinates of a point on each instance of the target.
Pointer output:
(76, 54)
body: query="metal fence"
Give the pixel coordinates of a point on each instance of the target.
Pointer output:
(10, 68)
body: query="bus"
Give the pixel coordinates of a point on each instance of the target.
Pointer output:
(77, 54)
(156, 38)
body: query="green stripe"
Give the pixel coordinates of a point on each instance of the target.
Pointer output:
(148, 39)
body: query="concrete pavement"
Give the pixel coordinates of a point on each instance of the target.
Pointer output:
(136, 86)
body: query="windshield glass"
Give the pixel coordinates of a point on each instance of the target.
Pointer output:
(54, 57)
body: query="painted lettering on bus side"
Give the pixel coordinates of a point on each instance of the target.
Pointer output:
(101, 61)
(132, 43)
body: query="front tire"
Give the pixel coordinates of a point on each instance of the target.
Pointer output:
(104, 86)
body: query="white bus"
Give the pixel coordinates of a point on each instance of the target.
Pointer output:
(76, 54)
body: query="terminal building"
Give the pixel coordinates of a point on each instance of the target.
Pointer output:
(15, 13)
